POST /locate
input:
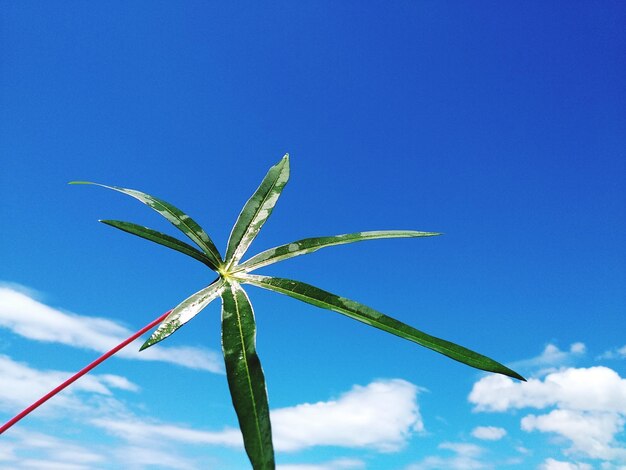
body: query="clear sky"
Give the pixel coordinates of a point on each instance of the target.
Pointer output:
(501, 124)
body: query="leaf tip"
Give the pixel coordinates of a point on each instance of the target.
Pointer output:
(511, 373)
(284, 162)
(80, 182)
(519, 377)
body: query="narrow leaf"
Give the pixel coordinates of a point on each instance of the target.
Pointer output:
(178, 218)
(161, 239)
(309, 245)
(256, 211)
(320, 298)
(184, 312)
(245, 376)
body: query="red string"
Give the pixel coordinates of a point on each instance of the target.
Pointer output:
(82, 372)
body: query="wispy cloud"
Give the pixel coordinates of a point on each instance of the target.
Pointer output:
(142, 458)
(33, 450)
(618, 353)
(145, 431)
(550, 359)
(21, 313)
(553, 464)
(36, 450)
(81, 406)
(22, 385)
(465, 457)
(488, 433)
(337, 464)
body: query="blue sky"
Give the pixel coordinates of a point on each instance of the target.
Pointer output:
(500, 124)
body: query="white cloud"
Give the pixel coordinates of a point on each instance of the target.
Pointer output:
(619, 353)
(610, 466)
(488, 433)
(38, 451)
(589, 389)
(27, 317)
(146, 431)
(551, 464)
(466, 457)
(462, 448)
(117, 381)
(45, 464)
(85, 402)
(550, 358)
(23, 385)
(338, 464)
(35, 450)
(589, 407)
(591, 433)
(7, 452)
(141, 458)
(381, 415)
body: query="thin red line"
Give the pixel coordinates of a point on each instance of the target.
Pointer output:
(82, 372)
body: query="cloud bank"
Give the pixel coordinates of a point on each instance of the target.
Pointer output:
(588, 408)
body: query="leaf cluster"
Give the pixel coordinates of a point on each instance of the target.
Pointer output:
(243, 367)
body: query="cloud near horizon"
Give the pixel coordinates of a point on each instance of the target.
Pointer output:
(380, 416)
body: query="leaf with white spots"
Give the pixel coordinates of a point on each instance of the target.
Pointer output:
(309, 245)
(320, 298)
(256, 211)
(185, 311)
(161, 239)
(245, 376)
(178, 218)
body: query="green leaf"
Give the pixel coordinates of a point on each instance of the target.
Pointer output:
(184, 312)
(309, 245)
(256, 211)
(178, 218)
(161, 239)
(245, 376)
(320, 298)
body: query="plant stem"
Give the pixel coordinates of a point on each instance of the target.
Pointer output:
(82, 372)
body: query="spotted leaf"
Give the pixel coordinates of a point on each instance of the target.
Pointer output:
(320, 298)
(256, 211)
(309, 245)
(185, 311)
(178, 218)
